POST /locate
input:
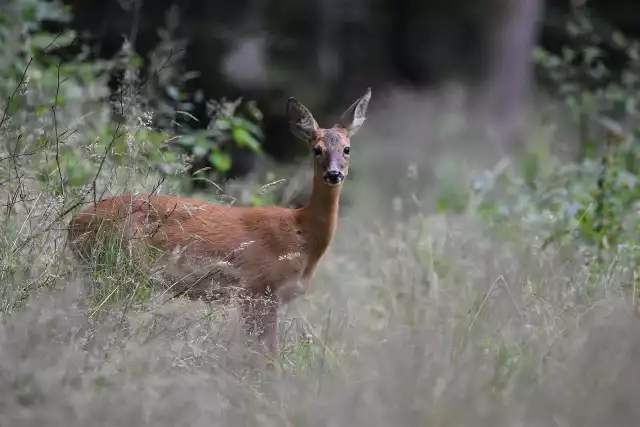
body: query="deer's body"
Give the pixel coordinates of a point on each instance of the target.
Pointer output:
(268, 253)
(272, 247)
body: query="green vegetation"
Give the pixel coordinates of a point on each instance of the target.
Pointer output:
(512, 305)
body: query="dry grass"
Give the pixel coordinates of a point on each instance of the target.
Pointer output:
(415, 319)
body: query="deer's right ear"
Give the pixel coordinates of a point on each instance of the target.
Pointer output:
(301, 122)
(353, 118)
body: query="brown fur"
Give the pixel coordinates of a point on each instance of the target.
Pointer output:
(269, 253)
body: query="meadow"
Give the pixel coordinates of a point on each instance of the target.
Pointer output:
(464, 287)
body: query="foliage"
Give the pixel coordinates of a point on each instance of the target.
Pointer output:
(225, 126)
(594, 94)
(44, 96)
(587, 208)
(56, 117)
(65, 102)
(592, 204)
(230, 123)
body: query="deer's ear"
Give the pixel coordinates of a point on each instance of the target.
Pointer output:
(301, 122)
(353, 118)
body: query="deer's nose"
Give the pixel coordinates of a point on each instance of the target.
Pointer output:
(333, 177)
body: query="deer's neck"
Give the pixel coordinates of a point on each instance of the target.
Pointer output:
(319, 218)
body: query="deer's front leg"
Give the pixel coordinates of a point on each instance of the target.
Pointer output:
(260, 317)
(270, 333)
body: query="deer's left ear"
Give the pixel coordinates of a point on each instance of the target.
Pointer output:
(301, 121)
(353, 118)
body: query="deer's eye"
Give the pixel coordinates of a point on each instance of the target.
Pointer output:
(317, 151)
(347, 150)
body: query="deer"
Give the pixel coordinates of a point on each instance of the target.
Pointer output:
(269, 254)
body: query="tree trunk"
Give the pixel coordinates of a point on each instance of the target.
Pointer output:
(512, 37)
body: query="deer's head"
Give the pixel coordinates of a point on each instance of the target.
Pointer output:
(331, 147)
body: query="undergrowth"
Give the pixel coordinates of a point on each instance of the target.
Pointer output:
(512, 305)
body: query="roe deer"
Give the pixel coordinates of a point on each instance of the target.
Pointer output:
(268, 253)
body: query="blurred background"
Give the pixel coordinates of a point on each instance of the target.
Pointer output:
(492, 59)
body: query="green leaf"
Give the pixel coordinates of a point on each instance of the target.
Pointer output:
(244, 139)
(221, 161)
(222, 124)
(169, 157)
(137, 61)
(248, 125)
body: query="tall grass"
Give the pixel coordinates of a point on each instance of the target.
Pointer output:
(436, 319)
(450, 327)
